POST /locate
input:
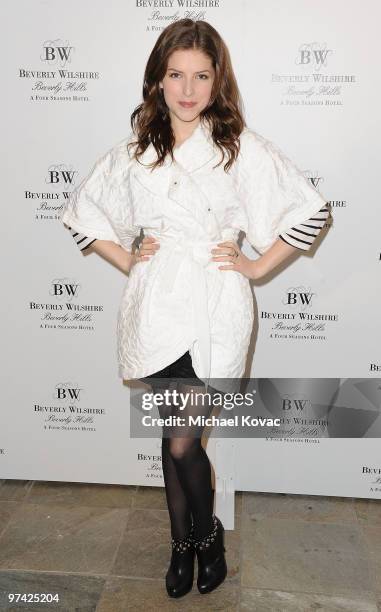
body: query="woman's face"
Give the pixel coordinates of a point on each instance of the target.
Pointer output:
(189, 78)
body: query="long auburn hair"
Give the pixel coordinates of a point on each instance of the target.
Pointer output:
(150, 120)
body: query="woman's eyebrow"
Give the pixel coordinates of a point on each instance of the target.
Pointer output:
(194, 73)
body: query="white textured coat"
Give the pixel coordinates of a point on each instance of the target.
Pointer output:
(179, 300)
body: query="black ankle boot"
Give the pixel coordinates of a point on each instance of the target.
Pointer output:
(210, 553)
(179, 578)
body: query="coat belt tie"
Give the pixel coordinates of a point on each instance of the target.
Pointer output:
(199, 256)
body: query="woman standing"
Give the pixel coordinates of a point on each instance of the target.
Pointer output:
(191, 175)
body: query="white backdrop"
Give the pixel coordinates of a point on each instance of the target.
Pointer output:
(308, 75)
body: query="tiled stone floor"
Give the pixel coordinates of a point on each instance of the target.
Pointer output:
(107, 548)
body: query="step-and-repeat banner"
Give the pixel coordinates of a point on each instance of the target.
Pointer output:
(307, 73)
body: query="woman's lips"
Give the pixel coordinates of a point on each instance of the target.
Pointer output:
(187, 104)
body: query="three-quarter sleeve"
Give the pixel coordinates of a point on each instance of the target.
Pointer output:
(99, 207)
(277, 199)
(302, 236)
(82, 241)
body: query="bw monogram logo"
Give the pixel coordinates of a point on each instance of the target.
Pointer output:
(67, 391)
(57, 78)
(312, 55)
(62, 288)
(298, 297)
(56, 53)
(61, 175)
(292, 403)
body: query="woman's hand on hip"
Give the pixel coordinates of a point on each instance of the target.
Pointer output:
(229, 251)
(147, 247)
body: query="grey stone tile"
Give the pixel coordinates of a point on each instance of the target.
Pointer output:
(369, 511)
(62, 538)
(15, 490)
(233, 549)
(7, 509)
(150, 498)
(123, 595)
(280, 601)
(373, 539)
(286, 555)
(82, 494)
(74, 592)
(144, 550)
(304, 507)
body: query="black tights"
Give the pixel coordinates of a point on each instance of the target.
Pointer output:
(186, 467)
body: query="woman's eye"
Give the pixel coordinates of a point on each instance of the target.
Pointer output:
(178, 74)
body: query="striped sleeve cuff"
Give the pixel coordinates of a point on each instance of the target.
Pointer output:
(303, 235)
(83, 242)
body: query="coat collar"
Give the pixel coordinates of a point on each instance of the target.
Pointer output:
(194, 153)
(197, 150)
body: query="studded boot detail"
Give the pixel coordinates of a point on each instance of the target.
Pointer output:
(210, 551)
(179, 577)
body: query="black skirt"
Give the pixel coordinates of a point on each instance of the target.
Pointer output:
(179, 369)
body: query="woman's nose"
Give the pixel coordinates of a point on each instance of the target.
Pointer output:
(188, 88)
